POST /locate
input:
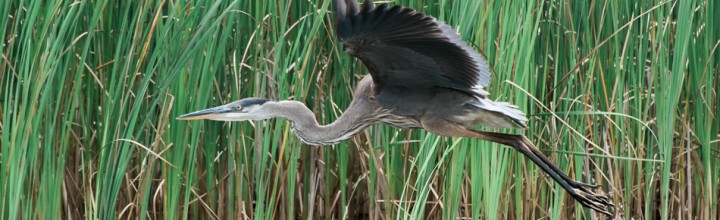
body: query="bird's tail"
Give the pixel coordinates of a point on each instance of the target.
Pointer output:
(502, 114)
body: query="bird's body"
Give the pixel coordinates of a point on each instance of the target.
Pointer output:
(420, 68)
(455, 107)
(367, 109)
(421, 76)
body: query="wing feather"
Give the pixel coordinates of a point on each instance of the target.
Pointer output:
(404, 48)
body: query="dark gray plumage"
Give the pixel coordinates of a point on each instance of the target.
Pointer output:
(421, 76)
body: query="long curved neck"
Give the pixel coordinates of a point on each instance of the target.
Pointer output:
(309, 131)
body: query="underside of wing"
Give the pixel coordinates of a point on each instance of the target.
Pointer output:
(407, 49)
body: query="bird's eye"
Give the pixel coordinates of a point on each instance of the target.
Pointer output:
(239, 107)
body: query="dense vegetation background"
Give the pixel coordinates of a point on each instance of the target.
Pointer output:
(619, 93)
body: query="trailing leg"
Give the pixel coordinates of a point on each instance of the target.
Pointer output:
(577, 190)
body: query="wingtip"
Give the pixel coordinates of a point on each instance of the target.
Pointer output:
(340, 9)
(352, 7)
(367, 5)
(344, 8)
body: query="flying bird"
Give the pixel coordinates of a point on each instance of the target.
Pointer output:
(422, 75)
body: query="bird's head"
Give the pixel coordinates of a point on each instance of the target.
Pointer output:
(241, 110)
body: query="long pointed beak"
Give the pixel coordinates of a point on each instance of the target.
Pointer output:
(205, 113)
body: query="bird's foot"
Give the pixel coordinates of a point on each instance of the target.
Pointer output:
(578, 184)
(597, 202)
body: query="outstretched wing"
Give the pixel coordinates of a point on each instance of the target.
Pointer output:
(407, 49)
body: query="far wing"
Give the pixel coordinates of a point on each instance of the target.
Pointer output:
(405, 48)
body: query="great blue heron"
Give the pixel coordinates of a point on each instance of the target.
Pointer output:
(421, 76)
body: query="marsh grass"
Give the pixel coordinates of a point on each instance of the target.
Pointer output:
(619, 93)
